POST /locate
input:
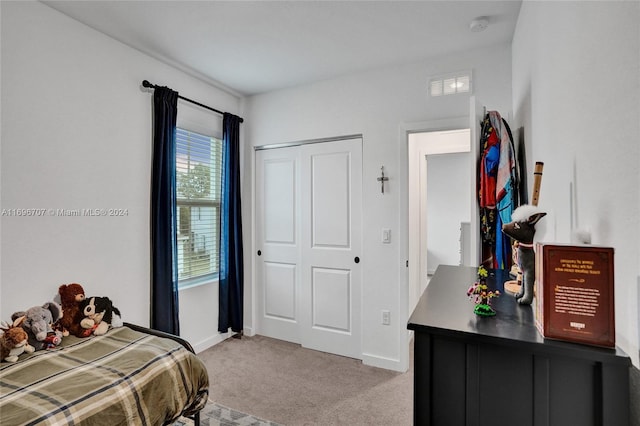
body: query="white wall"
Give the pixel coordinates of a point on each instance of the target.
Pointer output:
(77, 133)
(375, 104)
(576, 91)
(448, 204)
(430, 144)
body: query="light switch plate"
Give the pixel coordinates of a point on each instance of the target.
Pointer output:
(386, 235)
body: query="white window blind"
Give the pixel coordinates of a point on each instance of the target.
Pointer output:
(198, 176)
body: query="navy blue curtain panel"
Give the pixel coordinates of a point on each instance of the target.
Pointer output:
(231, 262)
(164, 271)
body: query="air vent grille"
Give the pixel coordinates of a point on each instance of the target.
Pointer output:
(450, 84)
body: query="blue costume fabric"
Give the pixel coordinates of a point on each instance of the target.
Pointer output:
(497, 189)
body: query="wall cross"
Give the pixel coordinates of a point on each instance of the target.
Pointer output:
(382, 179)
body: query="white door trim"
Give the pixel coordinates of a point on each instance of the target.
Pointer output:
(403, 221)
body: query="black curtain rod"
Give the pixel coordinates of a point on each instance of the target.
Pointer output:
(145, 83)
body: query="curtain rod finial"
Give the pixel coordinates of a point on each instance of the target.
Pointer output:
(145, 83)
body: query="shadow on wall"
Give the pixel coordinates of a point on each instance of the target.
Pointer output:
(522, 162)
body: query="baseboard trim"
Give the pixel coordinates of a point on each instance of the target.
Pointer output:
(382, 362)
(218, 338)
(209, 342)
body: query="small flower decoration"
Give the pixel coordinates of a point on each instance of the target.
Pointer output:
(482, 272)
(481, 294)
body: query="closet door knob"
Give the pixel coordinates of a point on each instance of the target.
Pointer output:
(259, 253)
(357, 259)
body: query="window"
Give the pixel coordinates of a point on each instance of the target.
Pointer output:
(450, 84)
(198, 176)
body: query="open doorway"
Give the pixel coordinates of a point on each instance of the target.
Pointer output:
(409, 291)
(439, 203)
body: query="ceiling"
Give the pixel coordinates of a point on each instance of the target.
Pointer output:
(254, 47)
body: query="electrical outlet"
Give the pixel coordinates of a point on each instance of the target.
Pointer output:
(386, 317)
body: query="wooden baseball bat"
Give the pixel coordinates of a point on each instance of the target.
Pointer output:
(537, 180)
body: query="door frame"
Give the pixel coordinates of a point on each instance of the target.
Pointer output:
(405, 129)
(306, 142)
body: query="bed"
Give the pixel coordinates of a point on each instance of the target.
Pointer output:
(129, 376)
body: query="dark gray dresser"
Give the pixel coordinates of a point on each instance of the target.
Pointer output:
(470, 370)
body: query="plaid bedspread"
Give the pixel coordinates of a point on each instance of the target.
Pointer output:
(121, 378)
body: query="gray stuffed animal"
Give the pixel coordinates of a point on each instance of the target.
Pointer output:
(522, 228)
(38, 324)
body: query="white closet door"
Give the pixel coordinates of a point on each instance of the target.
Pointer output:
(308, 213)
(331, 200)
(278, 239)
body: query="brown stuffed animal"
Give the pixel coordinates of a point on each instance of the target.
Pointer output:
(13, 341)
(71, 297)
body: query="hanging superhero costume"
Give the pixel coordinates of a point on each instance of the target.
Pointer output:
(497, 189)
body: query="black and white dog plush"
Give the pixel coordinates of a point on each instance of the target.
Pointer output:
(522, 228)
(99, 313)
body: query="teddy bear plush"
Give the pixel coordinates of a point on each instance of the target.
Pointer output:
(38, 323)
(99, 313)
(13, 341)
(71, 297)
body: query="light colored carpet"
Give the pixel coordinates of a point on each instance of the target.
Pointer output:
(290, 385)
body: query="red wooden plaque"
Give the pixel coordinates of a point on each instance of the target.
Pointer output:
(574, 293)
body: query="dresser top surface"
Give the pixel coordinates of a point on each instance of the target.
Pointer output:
(445, 309)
